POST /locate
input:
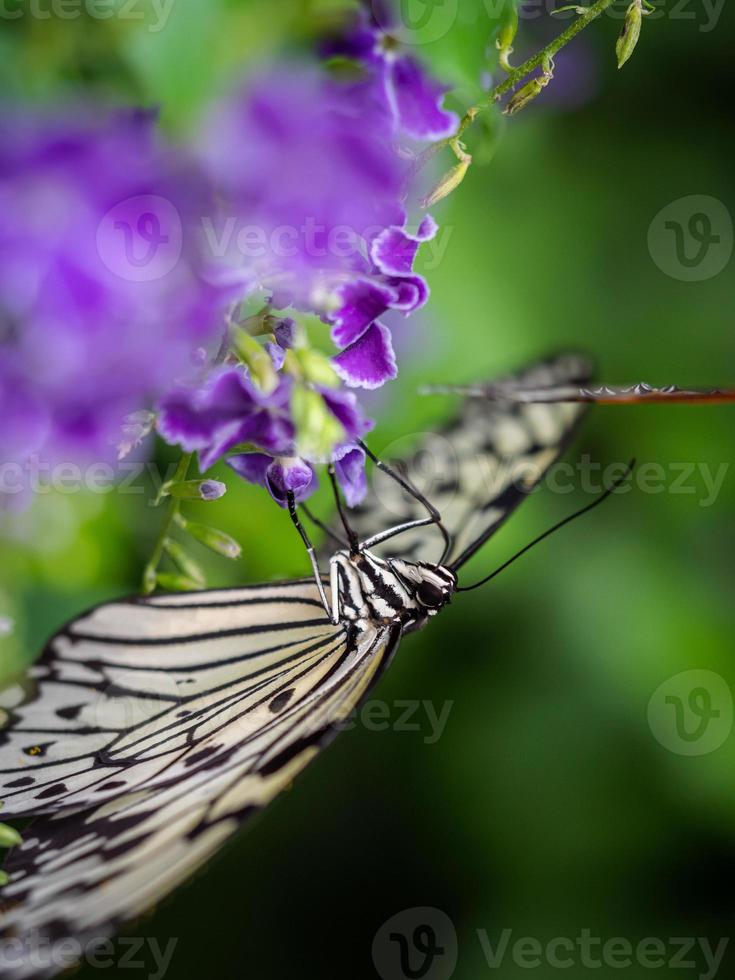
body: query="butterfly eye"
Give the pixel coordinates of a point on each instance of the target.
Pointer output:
(430, 595)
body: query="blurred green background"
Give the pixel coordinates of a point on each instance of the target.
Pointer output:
(546, 806)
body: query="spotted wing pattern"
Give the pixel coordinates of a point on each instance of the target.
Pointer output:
(147, 734)
(477, 469)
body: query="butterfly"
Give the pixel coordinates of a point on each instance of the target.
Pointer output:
(152, 728)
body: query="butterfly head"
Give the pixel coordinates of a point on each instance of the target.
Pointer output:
(432, 586)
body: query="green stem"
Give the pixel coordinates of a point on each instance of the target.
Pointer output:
(151, 569)
(518, 74)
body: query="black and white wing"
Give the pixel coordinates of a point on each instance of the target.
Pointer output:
(145, 736)
(477, 469)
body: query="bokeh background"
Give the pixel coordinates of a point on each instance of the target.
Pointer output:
(547, 806)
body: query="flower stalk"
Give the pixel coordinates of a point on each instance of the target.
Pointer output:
(542, 57)
(150, 573)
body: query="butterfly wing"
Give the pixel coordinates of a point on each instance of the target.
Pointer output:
(478, 469)
(163, 723)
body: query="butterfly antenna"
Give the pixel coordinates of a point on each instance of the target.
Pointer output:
(416, 494)
(557, 527)
(354, 541)
(604, 395)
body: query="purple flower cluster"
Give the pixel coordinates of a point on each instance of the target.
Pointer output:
(230, 410)
(102, 300)
(120, 261)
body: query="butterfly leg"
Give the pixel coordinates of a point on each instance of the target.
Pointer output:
(310, 551)
(334, 585)
(394, 531)
(351, 536)
(323, 527)
(436, 517)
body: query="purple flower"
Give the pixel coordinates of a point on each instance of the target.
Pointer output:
(368, 360)
(307, 167)
(346, 409)
(279, 475)
(103, 294)
(411, 97)
(228, 410)
(350, 472)
(394, 250)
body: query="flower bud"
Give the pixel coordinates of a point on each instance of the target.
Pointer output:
(528, 92)
(186, 565)
(257, 359)
(631, 32)
(9, 836)
(448, 184)
(317, 367)
(317, 430)
(149, 580)
(504, 42)
(211, 538)
(196, 490)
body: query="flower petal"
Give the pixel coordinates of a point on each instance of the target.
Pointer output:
(277, 355)
(350, 472)
(363, 301)
(252, 467)
(413, 293)
(394, 250)
(346, 409)
(285, 333)
(370, 361)
(417, 99)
